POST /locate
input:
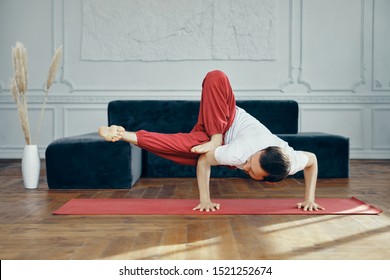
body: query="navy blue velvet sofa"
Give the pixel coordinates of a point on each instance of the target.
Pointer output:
(87, 161)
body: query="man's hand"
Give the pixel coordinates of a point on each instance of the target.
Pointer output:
(310, 173)
(207, 206)
(309, 205)
(215, 142)
(203, 171)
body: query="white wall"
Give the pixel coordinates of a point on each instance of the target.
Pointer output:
(332, 56)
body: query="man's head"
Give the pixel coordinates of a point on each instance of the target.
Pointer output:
(270, 164)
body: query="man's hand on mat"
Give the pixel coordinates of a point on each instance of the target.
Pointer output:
(309, 205)
(207, 206)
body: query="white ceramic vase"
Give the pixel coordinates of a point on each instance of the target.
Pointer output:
(31, 166)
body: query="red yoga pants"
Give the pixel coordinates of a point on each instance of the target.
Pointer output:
(216, 115)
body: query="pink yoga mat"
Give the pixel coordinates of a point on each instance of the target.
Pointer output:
(273, 206)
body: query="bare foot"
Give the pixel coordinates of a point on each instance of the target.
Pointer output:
(204, 148)
(112, 133)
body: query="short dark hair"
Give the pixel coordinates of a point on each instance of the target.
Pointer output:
(275, 162)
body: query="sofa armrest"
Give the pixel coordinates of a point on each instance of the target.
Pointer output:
(89, 162)
(332, 152)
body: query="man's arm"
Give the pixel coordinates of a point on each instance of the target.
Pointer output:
(203, 171)
(310, 172)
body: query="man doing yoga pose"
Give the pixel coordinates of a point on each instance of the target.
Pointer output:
(225, 135)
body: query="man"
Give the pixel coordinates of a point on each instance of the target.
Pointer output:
(225, 135)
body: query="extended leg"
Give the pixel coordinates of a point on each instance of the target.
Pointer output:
(175, 147)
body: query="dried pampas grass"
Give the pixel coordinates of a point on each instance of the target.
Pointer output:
(55, 62)
(18, 86)
(19, 59)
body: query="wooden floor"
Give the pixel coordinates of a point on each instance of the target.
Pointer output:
(30, 231)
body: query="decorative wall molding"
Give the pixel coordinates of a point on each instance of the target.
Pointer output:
(299, 35)
(284, 86)
(380, 46)
(59, 39)
(355, 84)
(381, 128)
(342, 120)
(363, 62)
(98, 97)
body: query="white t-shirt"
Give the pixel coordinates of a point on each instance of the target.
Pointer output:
(247, 136)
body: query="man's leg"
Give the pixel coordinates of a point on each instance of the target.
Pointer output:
(217, 110)
(175, 147)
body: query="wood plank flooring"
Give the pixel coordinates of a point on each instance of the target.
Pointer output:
(30, 231)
